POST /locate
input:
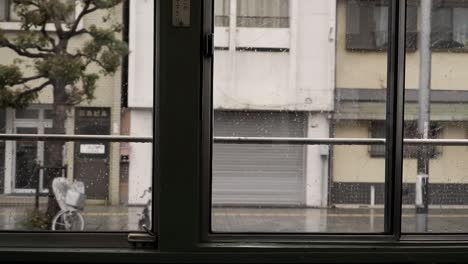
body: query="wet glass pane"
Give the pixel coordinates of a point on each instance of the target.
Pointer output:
(263, 13)
(27, 113)
(221, 13)
(323, 76)
(3, 10)
(100, 90)
(434, 188)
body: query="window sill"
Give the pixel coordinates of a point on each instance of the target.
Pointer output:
(413, 251)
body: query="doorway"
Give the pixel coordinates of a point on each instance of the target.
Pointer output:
(26, 154)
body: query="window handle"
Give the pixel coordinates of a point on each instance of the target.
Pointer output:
(209, 45)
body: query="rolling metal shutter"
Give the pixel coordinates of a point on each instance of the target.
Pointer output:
(258, 174)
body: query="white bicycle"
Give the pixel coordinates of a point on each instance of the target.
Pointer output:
(71, 199)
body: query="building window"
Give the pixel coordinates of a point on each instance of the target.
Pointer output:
(8, 12)
(4, 10)
(263, 13)
(367, 25)
(449, 24)
(221, 13)
(377, 130)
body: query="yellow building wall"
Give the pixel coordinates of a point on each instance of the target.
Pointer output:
(367, 69)
(354, 164)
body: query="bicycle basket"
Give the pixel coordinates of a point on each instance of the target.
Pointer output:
(75, 199)
(75, 195)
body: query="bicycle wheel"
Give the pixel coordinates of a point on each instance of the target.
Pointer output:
(68, 221)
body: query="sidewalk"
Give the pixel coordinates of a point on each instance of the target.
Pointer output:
(259, 220)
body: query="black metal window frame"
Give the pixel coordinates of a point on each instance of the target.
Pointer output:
(182, 161)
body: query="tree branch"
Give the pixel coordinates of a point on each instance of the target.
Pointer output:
(5, 43)
(78, 19)
(47, 36)
(30, 91)
(28, 79)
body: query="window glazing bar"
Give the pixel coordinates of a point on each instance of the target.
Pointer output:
(395, 117)
(73, 138)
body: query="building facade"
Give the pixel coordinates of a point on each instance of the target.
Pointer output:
(273, 77)
(360, 101)
(94, 163)
(317, 69)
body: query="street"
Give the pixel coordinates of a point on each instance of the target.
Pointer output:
(262, 220)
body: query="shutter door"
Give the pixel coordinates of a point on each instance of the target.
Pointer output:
(256, 174)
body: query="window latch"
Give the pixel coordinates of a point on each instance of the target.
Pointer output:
(209, 45)
(142, 240)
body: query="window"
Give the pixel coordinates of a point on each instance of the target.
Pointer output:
(9, 12)
(221, 13)
(411, 132)
(449, 24)
(367, 25)
(4, 10)
(263, 13)
(190, 108)
(73, 116)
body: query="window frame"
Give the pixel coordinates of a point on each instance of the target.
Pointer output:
(183, 141)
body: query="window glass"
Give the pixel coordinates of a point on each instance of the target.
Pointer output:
(221, 13)
(449, 24)
(68, 10)
(263, 13)
(4, 10)
(434, 187)
(367, 25)
(95, 90)
(290, 90)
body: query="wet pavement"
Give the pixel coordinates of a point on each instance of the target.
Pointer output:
(262, 220)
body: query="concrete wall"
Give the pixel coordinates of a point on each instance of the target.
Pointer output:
(141, 75)
(141, 158)
(295, 72)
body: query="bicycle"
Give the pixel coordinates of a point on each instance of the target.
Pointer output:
(71, 199)
(144, 223)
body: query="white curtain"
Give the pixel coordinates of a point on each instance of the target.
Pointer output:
(441, 26)
(460, 25)
(221, 12)
(381, 26)
(263, 13)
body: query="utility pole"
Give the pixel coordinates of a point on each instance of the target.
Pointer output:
(422, 178)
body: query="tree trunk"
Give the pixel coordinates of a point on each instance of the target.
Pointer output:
(54, 150)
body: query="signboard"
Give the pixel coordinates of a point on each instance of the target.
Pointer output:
(181, 13)
(96, 149)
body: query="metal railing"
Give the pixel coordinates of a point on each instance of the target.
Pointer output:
(334, 141)
(74, 138)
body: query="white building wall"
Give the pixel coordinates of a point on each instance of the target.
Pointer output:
(299, 78)
(141, 77)
(317, 162)
(141, 58)
(141, 159)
